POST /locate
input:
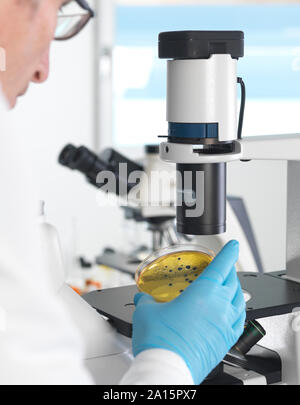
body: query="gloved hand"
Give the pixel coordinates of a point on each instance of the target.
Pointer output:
(200, 325)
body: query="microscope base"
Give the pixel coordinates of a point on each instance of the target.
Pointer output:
(261, 366)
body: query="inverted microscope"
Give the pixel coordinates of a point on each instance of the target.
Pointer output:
(204, 136)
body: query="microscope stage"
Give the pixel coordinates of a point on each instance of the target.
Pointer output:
(271, 294)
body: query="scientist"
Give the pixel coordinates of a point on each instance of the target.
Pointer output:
(179, 342)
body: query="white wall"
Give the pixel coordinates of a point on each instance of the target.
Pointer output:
(262, 185)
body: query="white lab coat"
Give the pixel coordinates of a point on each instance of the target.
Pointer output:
(39, 341)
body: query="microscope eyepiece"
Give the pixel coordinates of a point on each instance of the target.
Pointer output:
(91, 165)
(67, 155)
(80, 159)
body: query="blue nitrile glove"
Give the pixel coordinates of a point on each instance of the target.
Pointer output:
(201, 324)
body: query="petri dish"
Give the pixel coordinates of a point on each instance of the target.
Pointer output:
(166, 273)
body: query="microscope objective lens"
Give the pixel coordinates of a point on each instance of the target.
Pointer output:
(163, 280)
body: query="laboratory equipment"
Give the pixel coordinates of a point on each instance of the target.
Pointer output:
(202, 74)
(202, 115)
(150, 208)
(155, 209)
(204, 136)
(167, 272)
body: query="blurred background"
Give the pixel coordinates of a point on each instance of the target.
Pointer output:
(107, 88)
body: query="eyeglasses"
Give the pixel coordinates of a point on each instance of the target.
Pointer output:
(72, 18)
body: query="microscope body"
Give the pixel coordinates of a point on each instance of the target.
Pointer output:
(202, 114)
(204, 135)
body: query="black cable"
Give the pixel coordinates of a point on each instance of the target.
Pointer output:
(242, 108)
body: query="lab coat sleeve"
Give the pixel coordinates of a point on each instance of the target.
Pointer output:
(38, 342)
(158, 367)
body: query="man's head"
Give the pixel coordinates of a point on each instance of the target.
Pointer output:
(27, 28)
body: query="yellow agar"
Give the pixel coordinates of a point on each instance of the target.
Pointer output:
(168, 276)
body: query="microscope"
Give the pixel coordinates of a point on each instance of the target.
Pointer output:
(130, 187)
(204, 136)
(146, 192)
